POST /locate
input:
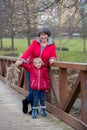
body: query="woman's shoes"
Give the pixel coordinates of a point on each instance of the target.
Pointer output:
(30, 112)
(25, 106)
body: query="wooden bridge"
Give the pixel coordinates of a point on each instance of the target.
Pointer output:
(12, 118)
(59, 101)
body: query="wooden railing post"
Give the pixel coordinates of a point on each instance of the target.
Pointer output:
(63, 88)
(84, 96)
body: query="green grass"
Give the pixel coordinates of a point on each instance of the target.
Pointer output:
(20, 44)
(72, 44)
(76, 50)
(75, 46)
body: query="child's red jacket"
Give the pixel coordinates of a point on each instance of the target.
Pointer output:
(39, 78)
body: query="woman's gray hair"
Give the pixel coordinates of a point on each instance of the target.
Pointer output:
(44, 30)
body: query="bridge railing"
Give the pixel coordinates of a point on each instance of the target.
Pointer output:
(59, 101)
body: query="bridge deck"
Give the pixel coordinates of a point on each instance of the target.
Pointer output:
(11, 116)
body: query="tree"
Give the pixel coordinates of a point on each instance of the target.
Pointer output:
(2, 6)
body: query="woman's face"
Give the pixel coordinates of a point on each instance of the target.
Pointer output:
(43, 37)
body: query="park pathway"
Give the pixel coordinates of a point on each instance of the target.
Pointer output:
(12, 118)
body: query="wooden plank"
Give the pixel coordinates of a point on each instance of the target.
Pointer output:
(2, 68)
(71, 65)
(63, 87)
(21, 80)
(67, 118)
(84, 96)
(25, 81)
(48, 96)
(8, 58)
(72, 96)
(54, 86)
(20, 90)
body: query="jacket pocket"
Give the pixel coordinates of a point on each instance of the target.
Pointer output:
(44, 84)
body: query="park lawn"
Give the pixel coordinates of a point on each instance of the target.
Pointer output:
(20, 44)
(76, 50)
(72, 56)
(75, 46)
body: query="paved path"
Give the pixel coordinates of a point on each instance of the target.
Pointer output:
(12, 118)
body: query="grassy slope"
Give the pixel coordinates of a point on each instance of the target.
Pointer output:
(75, 46)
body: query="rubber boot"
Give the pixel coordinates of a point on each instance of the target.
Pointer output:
(25, 106)
(43, 112)
(34, 113)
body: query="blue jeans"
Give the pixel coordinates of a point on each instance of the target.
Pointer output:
(38, 95)
(29, 98)
(28, 79)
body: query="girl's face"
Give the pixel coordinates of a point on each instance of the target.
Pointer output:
(43, 37)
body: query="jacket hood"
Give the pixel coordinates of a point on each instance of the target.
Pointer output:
(50, 40)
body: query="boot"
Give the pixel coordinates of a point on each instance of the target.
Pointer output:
(30, 112)
(34, 113)
(43, 112)
(25, 106)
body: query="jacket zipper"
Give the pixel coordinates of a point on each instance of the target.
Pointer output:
(39, 69)
(32, 83)
(38, 79)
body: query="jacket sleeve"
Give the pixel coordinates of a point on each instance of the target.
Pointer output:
(28, 52)
(53, 53)
(26, 66)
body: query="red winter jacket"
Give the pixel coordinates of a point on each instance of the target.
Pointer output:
(39, 78)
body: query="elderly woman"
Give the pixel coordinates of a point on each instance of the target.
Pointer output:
(43, 48)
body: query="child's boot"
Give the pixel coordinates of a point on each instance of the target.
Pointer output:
(34, 113)
(43, 112)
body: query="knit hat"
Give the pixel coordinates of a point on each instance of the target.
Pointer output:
(44, 30)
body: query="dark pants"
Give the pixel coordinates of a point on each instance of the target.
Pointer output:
(30, 92)
(38, 95)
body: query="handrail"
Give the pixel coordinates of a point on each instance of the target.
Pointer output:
(71, 65)
(59, 91)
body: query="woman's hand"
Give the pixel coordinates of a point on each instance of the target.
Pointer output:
(51, 61)
(18, 62)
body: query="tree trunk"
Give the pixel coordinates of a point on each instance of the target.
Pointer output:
(1, 43)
